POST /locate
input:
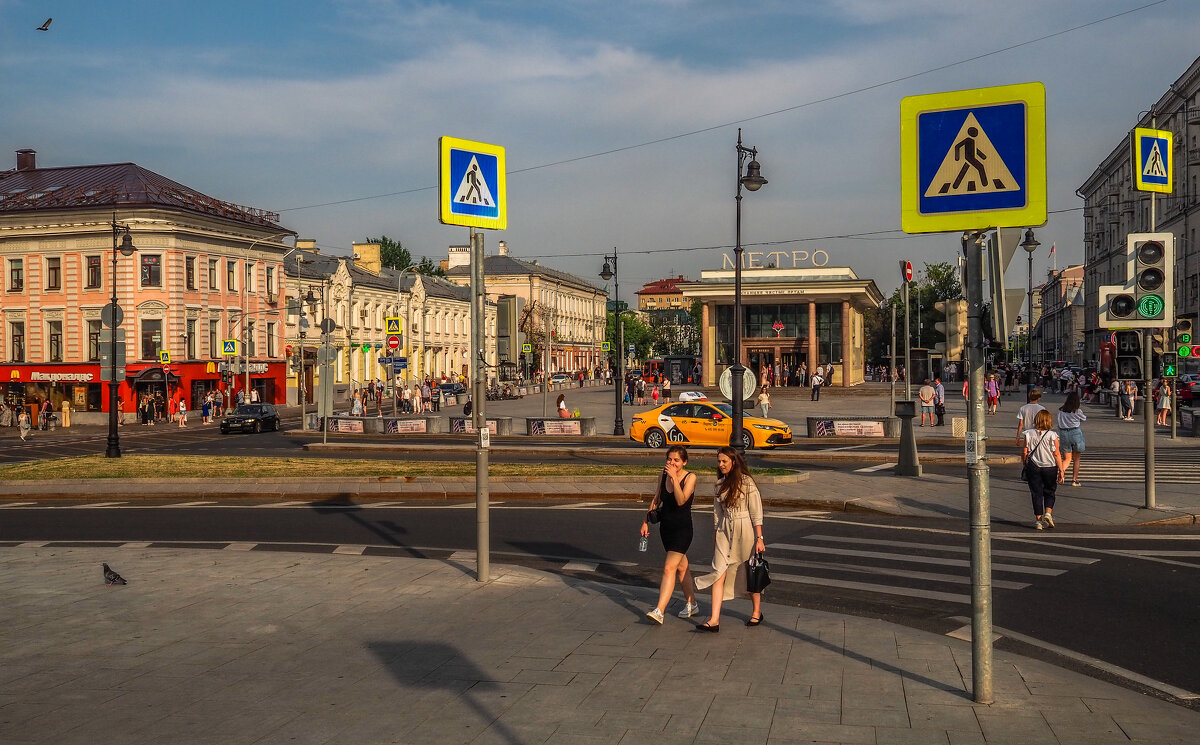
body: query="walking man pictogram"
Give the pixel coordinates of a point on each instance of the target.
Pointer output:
(472, 178)
(965, 150)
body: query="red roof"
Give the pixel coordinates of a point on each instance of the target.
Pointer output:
(664, 286)
(113, 185)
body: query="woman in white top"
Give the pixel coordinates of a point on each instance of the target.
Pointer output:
(1163, 409)
(563, 411)
(1044, 469)
(737, 517)
(1070, 436)
(764, 402)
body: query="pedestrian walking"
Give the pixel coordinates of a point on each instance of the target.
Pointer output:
(641, 392)
(356, 405)
(1162, 409)
(1027, 413)
(673, 504)
(939, 401)
(666, 390)
(764, 401)
(1127, 400)
(23, 424)
(218, 402)
(1070, 434)
(817, 381)
(926, 394)
(654, 396)
(991, 388)
(182, 413)
(1043, 467)
(737, 520)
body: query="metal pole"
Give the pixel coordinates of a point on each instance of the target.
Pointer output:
(400, 349)
(326, 369)
(1148, 382)
(618, 383)
(737, 370)
(482, 528)
(907, 347)
(300, 387)
(1029, 335)
(892, 351)
(978, 484)
(113, 450)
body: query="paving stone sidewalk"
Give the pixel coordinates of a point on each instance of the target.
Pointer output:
(213, 647)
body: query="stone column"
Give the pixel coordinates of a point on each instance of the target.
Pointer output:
(813, 348)
(708, 343)
(847, 352)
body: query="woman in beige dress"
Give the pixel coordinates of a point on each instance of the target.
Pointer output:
(737, 515)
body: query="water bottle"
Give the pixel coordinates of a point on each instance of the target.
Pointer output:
(643, 543)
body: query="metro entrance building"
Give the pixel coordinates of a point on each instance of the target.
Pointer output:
(811, 315)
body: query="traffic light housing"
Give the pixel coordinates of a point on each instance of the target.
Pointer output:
(1158, 341)
(954, 328)
(1147, 298)
(1170, 364)
(1129, 355)
(1183, 337)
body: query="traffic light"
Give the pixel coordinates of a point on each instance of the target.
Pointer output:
(1147, 299)
(954, 328)
(1170, 365)
(1129, 355)
(1158, 341)
(1183, 337)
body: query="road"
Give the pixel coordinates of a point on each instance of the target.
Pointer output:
(1088, 600)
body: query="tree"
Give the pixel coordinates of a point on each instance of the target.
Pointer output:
(940, 282)
(393, 254)
(636, 333)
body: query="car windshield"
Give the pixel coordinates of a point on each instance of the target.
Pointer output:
(251, 410)
(726, 409)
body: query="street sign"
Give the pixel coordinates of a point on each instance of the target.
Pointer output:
(229, 347)
(106, 335)
(973, 159)
(328, 326)
(1153, 160)
(326, 354)
(632, 348)
(906, 270)
(385, 360)
(401, 363)
(971, 448)
(393, 342)
(392, 326)
(749, 383)
(471, 184)
(164, 357)
(604, 346)
(166, 368)
(112, 315)
(527, 348)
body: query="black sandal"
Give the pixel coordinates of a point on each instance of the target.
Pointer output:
(752, 621)
(706, 627)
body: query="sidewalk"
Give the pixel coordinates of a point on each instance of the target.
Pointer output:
(214, 647)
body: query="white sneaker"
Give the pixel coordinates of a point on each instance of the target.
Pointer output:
(654, 614)
(1037, 524)
(1048, 520)
(689, 610)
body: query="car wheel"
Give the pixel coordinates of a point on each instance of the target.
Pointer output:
(257, 427)
(275, 425)
(655, 438)
(747, 440)
(224, 430)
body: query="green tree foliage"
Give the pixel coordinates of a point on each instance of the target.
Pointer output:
(393, 254)
(636, 333)
(937, 282)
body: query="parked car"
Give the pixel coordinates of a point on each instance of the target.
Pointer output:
(704, 423)
(453, 389)
(685, 396)
(557, 378)
(251, 418)
(1187, 386)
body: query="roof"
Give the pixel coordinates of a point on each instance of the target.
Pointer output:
(663, 286)
(114, 185)
(319, 266)
(497, 265)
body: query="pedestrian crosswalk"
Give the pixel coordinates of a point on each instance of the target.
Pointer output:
(1171, 466)
(939, 571)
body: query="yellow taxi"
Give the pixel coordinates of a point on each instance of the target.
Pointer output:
(704, 423)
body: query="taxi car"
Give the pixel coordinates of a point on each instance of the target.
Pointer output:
(704, 423)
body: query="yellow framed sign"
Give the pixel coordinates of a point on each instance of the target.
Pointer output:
(471, 184)
(1153, 160)
(973, 159)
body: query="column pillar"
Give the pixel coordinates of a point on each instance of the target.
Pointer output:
(814, 358)
(708, 342)
(848, 363)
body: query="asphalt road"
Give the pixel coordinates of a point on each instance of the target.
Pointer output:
(1124, 598)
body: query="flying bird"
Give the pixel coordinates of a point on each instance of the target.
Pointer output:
(45, 26)
(112, 578)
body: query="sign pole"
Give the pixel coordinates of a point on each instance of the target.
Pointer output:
(892, 350)
(1148, 371)
(482, 434)
(979, 491)
(907, 347)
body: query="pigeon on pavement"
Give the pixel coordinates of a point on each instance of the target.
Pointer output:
(112, 578)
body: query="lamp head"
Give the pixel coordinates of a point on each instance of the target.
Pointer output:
(1030, 243)
(753, 180)
(606, 273)
(127, 248)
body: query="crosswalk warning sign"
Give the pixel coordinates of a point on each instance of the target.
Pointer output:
(972, 165)
(473, 189)
(471, 184)
(392, 325)
(1152, 166)
(1154, 163)
(229, 347)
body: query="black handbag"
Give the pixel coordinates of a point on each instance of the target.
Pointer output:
(758, 573)
(653, 516)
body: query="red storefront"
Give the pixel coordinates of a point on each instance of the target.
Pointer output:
(23, 385)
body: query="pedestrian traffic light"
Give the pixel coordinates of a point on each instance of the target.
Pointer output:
(1170, 365)
(1129, 355)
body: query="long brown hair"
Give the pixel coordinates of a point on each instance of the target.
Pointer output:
(729, 487)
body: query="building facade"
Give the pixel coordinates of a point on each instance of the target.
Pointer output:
(810, 316)
(1113, 208)
(204, 273)
(563, 316)
(663, 294)
(1059, 332)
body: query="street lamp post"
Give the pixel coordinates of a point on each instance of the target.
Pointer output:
(127, 249)
(753, 181)
(1030, 245)
(606, 274)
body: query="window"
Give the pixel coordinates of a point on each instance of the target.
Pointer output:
(249, 286)
(214, 342)
(151, 270)
(231, 276)
(212, 274)
(151, 339)
(93, 340)
(54, 337)
(93, 272)
(16, 332)
(270, 280)
(251, 351)
(16, 275)
(270, 339)
(54, 273)
(189, 272)
(191, 339)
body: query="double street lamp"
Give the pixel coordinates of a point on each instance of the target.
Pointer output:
(606, 274)
(1030, 245)
(753, 181)
(127, 249)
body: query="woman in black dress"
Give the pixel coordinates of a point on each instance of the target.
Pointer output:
(674, 502)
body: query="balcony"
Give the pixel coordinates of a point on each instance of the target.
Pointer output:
(272, 297)
(1193, 156)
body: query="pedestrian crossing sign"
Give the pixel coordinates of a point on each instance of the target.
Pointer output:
(229, 347)
(471, 184)
(392, 326)
(1153, 161)
(973, 159)
(164, 357)
(605, 346)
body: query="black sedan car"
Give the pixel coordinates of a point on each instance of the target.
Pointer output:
(453, 389)
(251, 418)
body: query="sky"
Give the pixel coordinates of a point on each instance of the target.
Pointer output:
(619, 117)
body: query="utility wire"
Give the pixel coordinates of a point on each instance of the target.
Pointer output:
(776, 112)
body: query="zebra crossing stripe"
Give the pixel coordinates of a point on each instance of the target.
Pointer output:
(873, 588)
(908, 558)
(951, 549)
(956, 579)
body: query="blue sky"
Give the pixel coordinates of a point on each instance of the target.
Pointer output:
(285, 105)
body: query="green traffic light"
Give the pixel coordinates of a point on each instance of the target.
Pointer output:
(1185, 351)
(1183, 338)
(1169, 371)
(1150, 306)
